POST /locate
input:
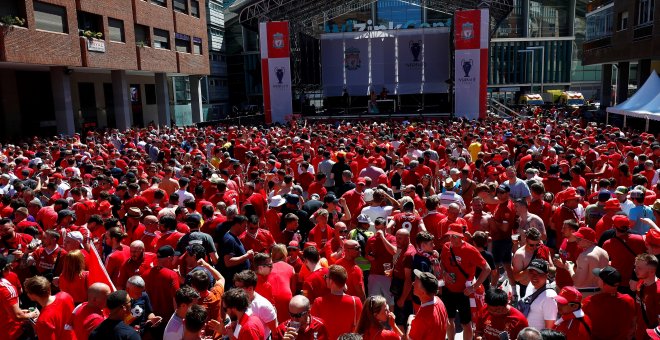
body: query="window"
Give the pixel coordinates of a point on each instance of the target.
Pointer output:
(160, 2)
(194, 8)
(161, 39)
(150, 94)
(50, 17)
(90, 22)
(622, 21)
(197, 46)
(645, 14)
(181, 6)
(142, 36)
(116, 30)
(182, 43)
(215, 6)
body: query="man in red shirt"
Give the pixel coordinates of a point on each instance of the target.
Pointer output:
(401, 286)
(255, 238)
(11, 315)
(460, 261)
(47, 258)
(162, 282)
(134, 228)
(243, 326)
(88, 315)
(55, 310)
(647, 301)
(139, 262)
(328, 307)
(504, 218)
(355, 281)
(309, 328)
(499, 318)
(431, 321)
(314, 284)
(407, 219)
(605, 323)
(623, 248)
(379, 247)
(169, 235)
(572, 321)
(12, 242)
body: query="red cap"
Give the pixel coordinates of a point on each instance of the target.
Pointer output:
(311, 244)
(586, 233)
(455, 229)
(652, 238)
(621, 222)
(613, 204)
(361, 180)
(294, 244)
(568, 295)
(58, 175)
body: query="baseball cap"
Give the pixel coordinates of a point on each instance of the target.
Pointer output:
(362, 218)
(568, 295)
(604, 195)
(538, 265)
(361, 180)
(276, 201)
(503, 188)
(636, 194)
(166, 251)
(293, 245)
(292, 199)
(608, 274)
(612, 204)
(194, 218)
(76, 236)
(621, 190)
(330, 199)
(368, 195)
(586, 233)
(428, 280)
(621, 222)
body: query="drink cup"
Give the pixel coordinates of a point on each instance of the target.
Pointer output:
(387, 268)
(515, 237)
(295, 325)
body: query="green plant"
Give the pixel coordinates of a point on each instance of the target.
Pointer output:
(91, 34)
(11, 20)
(140, 43)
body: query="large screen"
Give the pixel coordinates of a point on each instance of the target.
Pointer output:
(404, 61)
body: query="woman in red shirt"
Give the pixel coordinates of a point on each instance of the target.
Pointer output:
(73, 279)
(375, 313)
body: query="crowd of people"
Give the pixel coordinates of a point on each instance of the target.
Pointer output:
(521, 229)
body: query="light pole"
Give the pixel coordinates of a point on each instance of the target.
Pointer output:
(531, 85)
(542, 48)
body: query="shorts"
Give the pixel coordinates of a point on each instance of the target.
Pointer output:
(502, 251)
(457, 302)
(380, 285)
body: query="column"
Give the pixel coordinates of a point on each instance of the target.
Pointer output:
(622, 76)
(122, 99)
(61, 85)
(11, 109)
(196, 99)
(643, 71)
(523, 23)
(606, 87)
(163, 99)
(571, 18)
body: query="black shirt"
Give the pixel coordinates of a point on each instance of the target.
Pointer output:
(114, 330)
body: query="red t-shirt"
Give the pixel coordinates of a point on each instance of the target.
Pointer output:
(381, 255)
(8, 298)
(650, 297)
(280, 279)
(260, 244)
(53, 319)
(251, 328)
(320, 236)
(355, 276)
(131, 268)
(135, 234)
(85, 319)
(606, 324)
(573, 329)
(380, 334)
(47, 261)
(468, 257)
(170, 238)
(317, 188)
(115, 260)
(407, 221)
(161, 285)
(315, 330)
(314, 284)
(340, 313)
(562, 214)
(504, 212)
(76, 288)
(430, 321)
(620, 257)
(490, 326)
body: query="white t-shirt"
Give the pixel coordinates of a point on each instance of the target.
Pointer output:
(375, 212)
(174, 328)
(264, 310)
(543, 308)
(183, 196)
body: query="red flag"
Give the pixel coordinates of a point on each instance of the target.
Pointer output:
(97, 272)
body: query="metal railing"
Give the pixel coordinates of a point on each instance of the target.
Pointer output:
(502, 110)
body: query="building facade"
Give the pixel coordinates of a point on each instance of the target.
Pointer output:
(624, 37)
(71, 65)
(216, 86)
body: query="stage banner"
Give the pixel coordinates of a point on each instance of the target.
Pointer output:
(436, 60)
(382, 62)
(356, 64)
(410, 52)
(332, 47)
(275, 70)
(471, 37)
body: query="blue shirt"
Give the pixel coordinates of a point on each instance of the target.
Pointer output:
(636, 214)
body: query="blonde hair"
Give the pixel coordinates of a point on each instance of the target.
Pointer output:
(278, 252)
(73, 264)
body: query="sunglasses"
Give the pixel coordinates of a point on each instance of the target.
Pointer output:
(298, 315)
(534, 245)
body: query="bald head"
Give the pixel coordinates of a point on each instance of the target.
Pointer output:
(150, 219)
(401, 232)
(97, 294)
(351, 243)
(299, 302)
(137, 245)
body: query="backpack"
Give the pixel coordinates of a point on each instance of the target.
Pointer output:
(525, 305)
(361, 237)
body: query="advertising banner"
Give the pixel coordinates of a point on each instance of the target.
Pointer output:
(333, 67)
(471, 62)
(275, 70)
(356, 64)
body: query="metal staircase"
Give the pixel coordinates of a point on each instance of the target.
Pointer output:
(502, 111)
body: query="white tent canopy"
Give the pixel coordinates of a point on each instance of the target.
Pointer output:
(645, 103)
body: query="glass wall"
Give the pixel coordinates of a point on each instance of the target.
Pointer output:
(398, 12)
(510, 65)
(513, 26)
(549, 18)
(600, 23)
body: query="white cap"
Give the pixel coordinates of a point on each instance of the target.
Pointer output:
(276, 201)
(368, 195)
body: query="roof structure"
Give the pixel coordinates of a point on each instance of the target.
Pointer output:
(308, 16)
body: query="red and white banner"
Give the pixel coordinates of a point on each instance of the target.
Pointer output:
(276, 70)
(471, 38)
(97, 272)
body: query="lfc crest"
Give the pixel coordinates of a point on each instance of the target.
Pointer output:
(278, 40)
(467, 31)
(352, 59)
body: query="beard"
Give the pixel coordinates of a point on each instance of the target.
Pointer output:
(233, 317)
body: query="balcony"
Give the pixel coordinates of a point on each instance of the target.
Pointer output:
(23, 45)
(113, 55)
(156, 59)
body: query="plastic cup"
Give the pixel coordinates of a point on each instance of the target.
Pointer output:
(295, 325)
(387, 268)
(515, 237)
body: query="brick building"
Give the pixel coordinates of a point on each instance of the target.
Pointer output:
(68, 65)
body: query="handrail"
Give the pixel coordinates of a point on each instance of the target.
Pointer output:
(501, 108)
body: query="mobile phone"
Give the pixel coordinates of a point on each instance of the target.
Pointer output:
(504, 335)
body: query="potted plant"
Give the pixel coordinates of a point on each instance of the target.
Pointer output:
(92, 35)
(141, 43)
(10, 20)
